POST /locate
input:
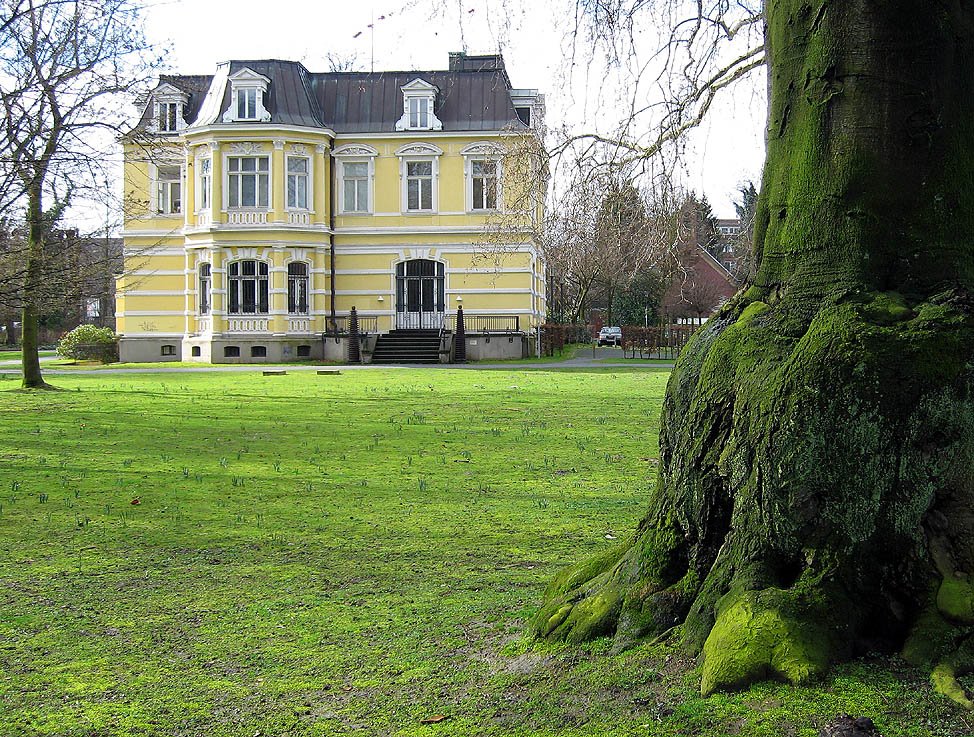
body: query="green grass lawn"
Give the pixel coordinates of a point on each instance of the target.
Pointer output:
(16, 355)
(353, 554)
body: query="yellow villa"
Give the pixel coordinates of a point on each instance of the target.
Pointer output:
(264, 202)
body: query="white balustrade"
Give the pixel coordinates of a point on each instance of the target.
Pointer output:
(203, 218)
(299, 218)
(299, 325)
(204, 325)
(247, 324)
(247, 217)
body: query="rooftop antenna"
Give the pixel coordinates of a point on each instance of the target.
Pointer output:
(372, 27)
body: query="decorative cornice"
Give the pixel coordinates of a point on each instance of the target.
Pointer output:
(299, 149)
(246, 147)
(354, 149)
(419, 149)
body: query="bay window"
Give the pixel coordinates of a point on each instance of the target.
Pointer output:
(297, 182)
(248, 181)
(249, 287)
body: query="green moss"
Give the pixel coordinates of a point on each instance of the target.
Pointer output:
(955, 599)
(574, 576)
(887, 308)
(944, 681)
(754, 639)
(931, 639)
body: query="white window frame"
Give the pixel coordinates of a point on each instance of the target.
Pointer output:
(204, 183)
(484, 151)
(228, 176)
(242, 83)
(163, 189)
(414, 153)
(308, 179)
(417, 90)
(354, 153)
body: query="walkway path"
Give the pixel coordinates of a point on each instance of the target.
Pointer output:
(584, 359)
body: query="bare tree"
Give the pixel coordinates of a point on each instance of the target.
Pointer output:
(64, 64)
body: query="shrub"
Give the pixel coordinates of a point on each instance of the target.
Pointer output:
(89, 343)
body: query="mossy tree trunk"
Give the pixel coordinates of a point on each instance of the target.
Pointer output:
(816, 489)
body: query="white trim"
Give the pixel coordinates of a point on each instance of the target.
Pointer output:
(149, 313)
(260, 129)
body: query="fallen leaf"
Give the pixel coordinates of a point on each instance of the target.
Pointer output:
(435, 719)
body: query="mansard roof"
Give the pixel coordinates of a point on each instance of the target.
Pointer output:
(470, 97)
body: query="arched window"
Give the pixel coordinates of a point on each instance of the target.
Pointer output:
(204, 289)
(297, 288)
(248, 288)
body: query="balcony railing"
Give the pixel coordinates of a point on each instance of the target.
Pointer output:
(486, 323)
(247, 324)
(247, 217)
(203, 218)
(299, 218)
(204, 324)
(299, 324)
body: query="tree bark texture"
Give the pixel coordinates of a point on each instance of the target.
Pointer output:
(816, 488)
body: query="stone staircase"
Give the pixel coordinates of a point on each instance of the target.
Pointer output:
(408, 346)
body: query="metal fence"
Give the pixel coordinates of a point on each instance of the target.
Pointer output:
(659, 341)
(486, 323)
(367, 325)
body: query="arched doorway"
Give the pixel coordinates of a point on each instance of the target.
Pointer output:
(420, 295)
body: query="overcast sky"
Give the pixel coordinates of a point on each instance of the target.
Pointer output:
(534, 36)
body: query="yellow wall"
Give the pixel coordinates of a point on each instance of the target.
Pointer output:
(157, 294)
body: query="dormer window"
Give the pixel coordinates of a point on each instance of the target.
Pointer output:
(247, 104)
(417, 105)
(168, 105)
(247, 91)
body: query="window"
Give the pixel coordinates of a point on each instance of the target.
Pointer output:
(297, 182)
(304, 351)
(247, 89)
(204, 289)
(168, 105)
(297, 288)
(247, 104)
(196, 351)
(168, 190)
(417, 107)
(231, 351)
(419, 112)
(169, 114)
(92, 308)
(168, 350)
(205, 171)
(258, 351)
(248, 183)
(248, 287)
(484, 182)
(419, 185)
(355, 185)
